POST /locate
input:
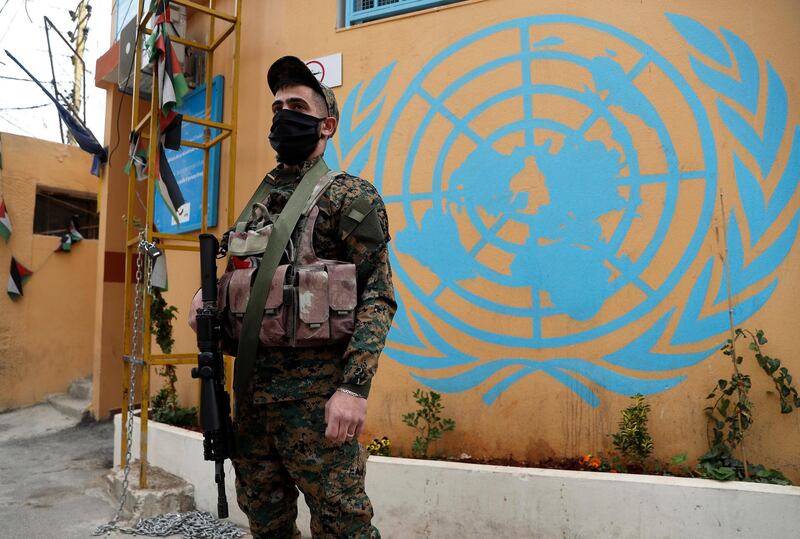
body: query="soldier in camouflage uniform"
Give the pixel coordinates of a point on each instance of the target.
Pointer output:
(299, 422)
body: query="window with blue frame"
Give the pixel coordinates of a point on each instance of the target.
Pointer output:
(358, 11)
(126, 12)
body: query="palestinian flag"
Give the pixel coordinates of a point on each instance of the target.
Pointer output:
(71, 236)
(168, 186)
(137, 157)
(160, 9)
(171, 83)
(5, 221)
(172, 88)
(18, 275)
(170, 128)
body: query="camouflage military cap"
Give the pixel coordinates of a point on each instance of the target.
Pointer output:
(292, 70)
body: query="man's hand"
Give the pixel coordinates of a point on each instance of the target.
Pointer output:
(344, 415)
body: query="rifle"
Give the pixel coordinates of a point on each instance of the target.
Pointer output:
(215, 404)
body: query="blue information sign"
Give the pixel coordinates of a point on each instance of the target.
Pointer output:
(187, 164)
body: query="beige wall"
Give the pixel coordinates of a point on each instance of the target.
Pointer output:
(46, 333)
(537, 416)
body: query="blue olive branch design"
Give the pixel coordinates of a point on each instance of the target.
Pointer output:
(353, 128)
(759, 213)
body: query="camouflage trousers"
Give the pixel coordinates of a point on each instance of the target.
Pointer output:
(282, 446)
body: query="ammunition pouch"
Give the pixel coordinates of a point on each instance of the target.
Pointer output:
(311, 301)
(306, 306)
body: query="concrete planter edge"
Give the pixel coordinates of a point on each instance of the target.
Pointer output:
(441, 499)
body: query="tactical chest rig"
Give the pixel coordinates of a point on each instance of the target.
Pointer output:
(311, 301)
(290, 296)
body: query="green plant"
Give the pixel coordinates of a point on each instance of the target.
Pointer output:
(633, 440)
(164, 406)
(379, 447)
(161, 317)
(428, 421)
(731, 414)
(676, 466)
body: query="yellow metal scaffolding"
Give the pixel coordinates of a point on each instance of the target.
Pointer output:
(148, 129)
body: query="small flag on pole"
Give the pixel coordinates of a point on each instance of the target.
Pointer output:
(5, 221)
(18, 275)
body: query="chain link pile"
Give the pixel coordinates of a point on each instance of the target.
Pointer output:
(192, 525)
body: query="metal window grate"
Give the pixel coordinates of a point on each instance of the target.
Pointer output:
(368, 10)
(361, 5)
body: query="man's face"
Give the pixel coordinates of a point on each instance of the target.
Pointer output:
(303, 99)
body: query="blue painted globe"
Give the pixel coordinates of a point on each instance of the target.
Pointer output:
(539, 237)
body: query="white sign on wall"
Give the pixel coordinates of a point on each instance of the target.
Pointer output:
(327, 69)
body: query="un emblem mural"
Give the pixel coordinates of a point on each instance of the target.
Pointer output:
(554, 186)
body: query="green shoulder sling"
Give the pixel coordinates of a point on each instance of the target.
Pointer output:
(251, 323)
(261, 193)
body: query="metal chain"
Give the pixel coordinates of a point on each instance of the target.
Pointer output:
(193, 524)
(137, 327)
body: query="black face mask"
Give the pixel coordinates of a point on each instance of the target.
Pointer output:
(294, 135)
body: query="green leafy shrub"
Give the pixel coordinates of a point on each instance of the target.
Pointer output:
(164, 406)
(731, 414)
(161, 317)
(427, 421)
(633, 441)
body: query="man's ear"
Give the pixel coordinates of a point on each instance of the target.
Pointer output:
(329, 126)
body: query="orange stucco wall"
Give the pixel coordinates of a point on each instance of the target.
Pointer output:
(518, 389)
(46, 333)
(109, 309)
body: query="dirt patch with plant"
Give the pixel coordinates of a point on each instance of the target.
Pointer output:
(730, 415)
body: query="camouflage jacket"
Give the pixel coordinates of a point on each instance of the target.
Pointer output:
(284, 373)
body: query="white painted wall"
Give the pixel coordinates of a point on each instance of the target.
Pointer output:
(432, 499)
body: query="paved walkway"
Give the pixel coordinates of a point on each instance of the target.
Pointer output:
(51, 473)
